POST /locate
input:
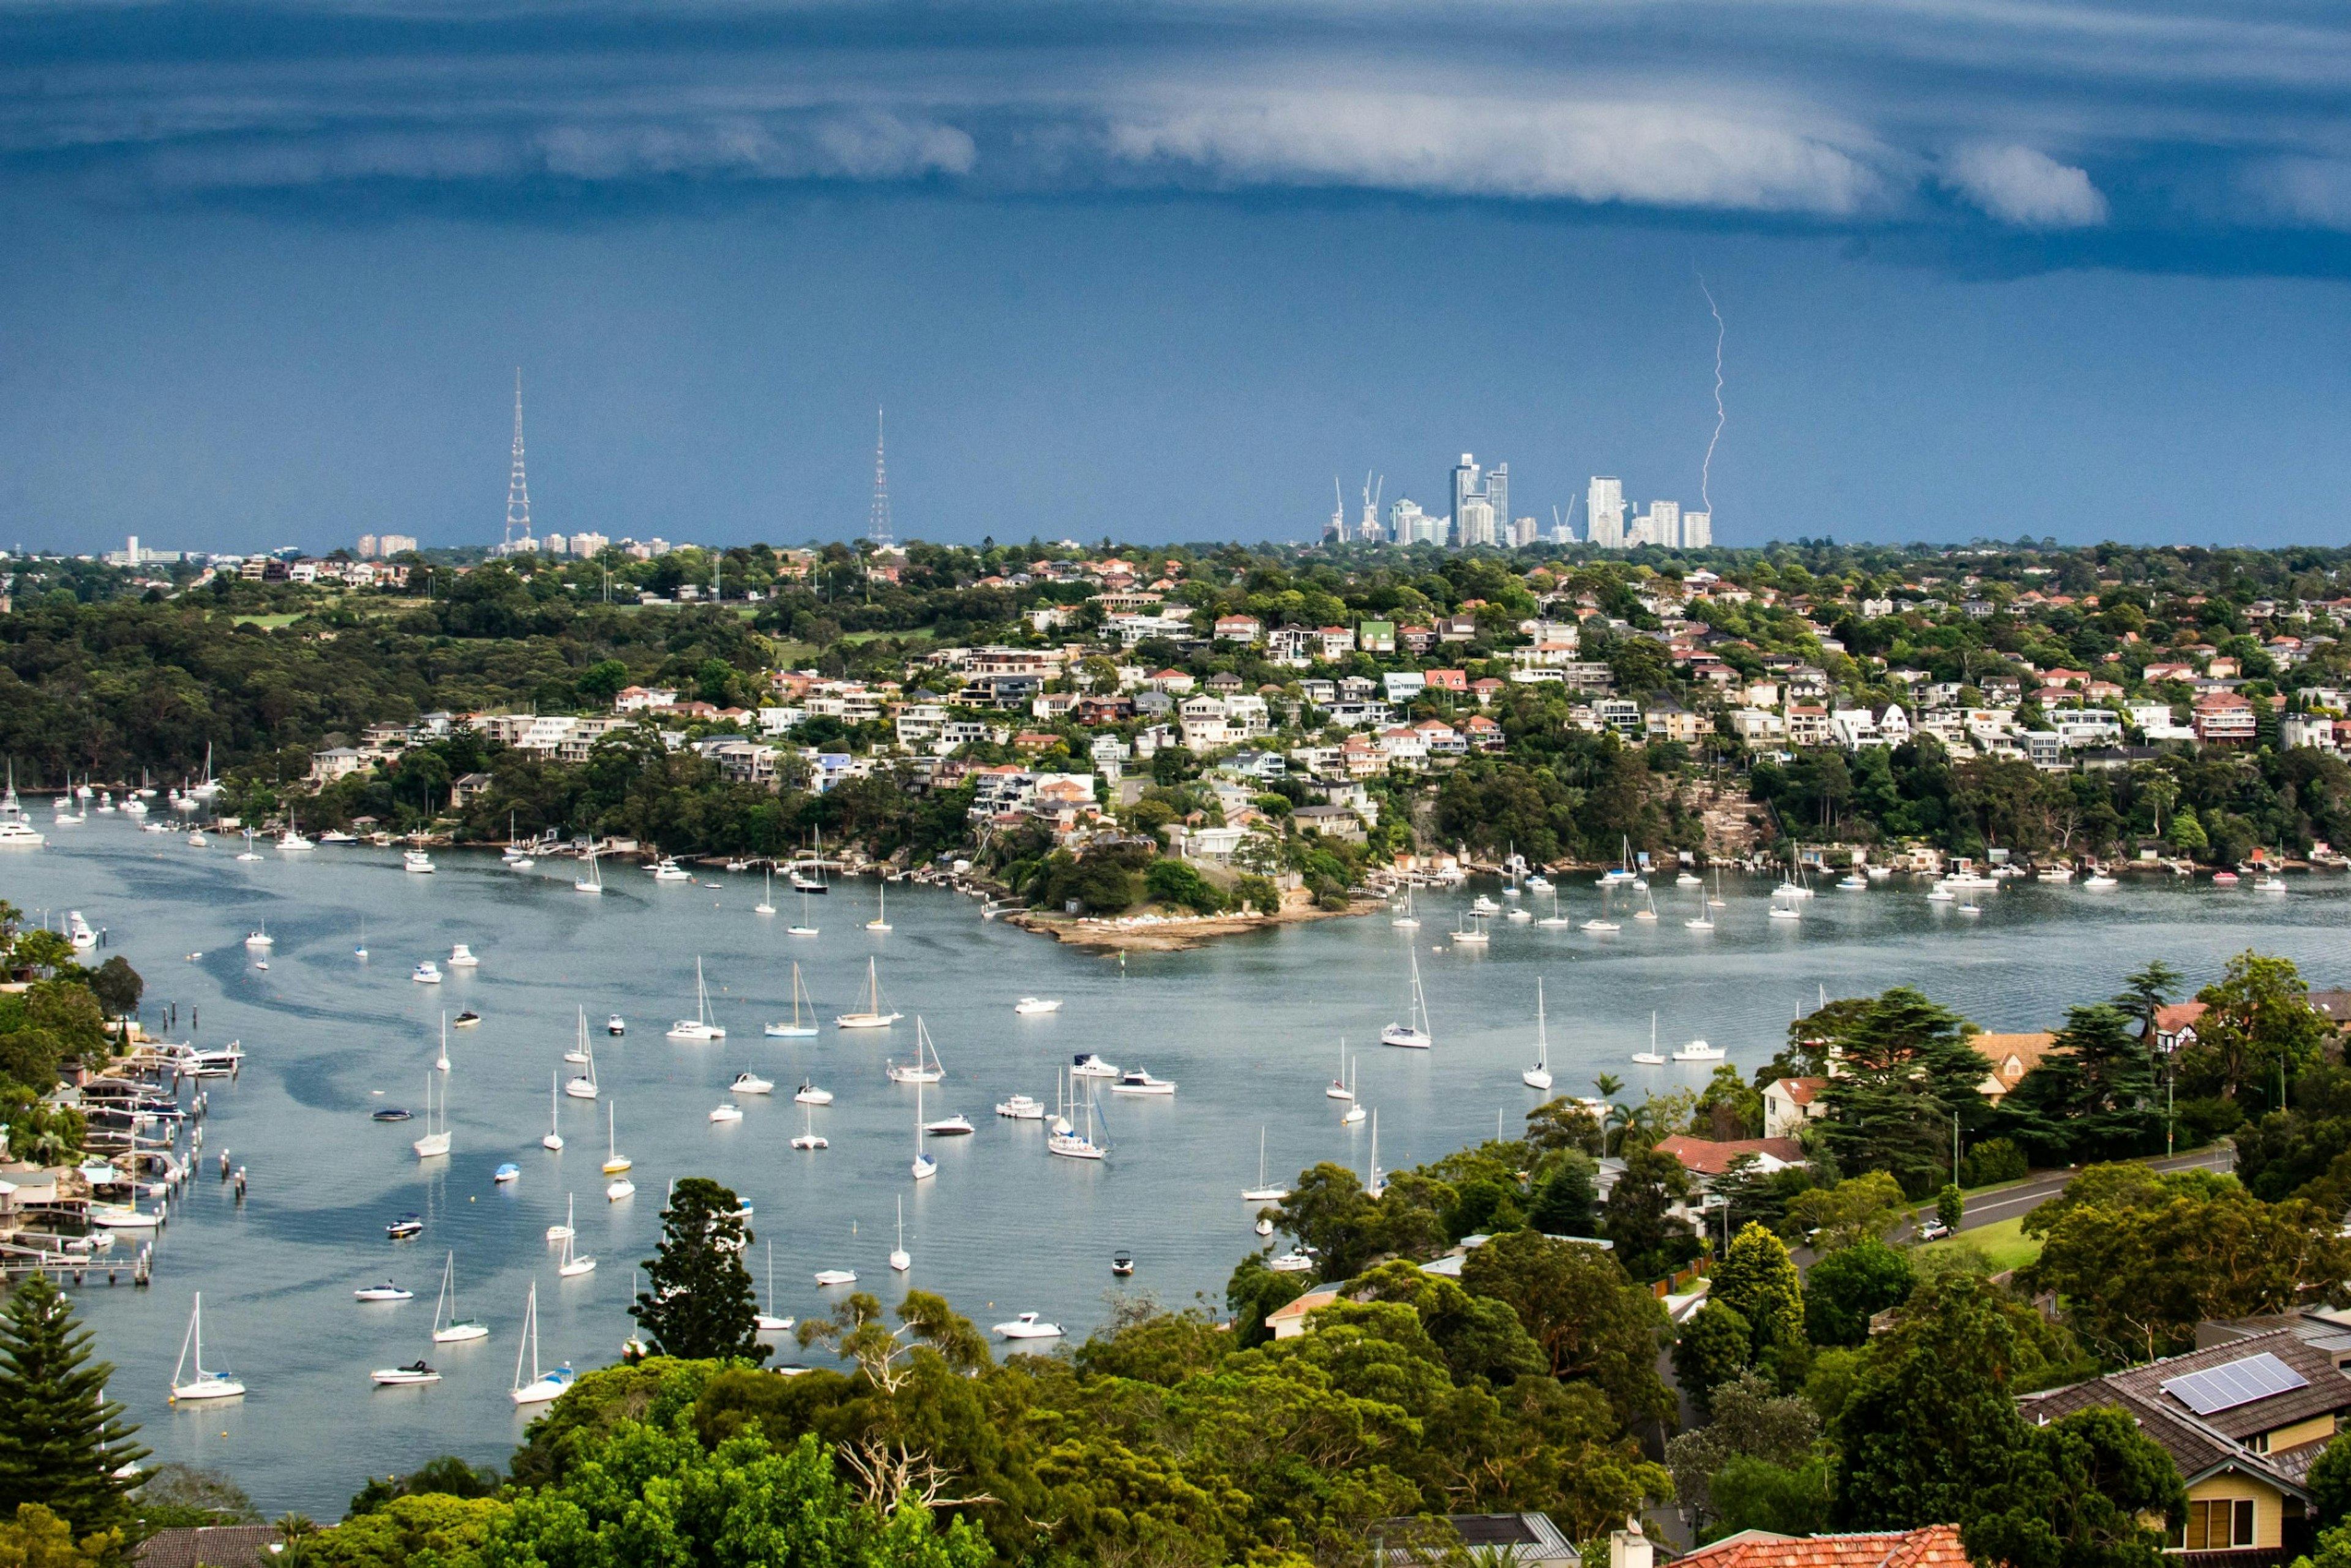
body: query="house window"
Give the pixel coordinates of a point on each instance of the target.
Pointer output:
(2219, 1523)
(2259, 1442)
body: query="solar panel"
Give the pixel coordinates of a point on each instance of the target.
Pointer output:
(2235, 1383)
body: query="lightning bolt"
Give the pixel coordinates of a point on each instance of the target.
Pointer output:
(1705, 469)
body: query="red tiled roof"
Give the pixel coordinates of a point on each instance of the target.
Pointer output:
(1711, 1156)
(1931, 1546)
(1801, 1090)
(2179, 1015)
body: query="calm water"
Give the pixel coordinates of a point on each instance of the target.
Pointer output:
(1250, 1029)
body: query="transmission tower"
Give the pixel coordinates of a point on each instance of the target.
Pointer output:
(877, 527)
(517, 491)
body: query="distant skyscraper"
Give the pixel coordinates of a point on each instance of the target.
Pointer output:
(1665, 524)
(1604, 509)
(1525, 531)
(1498, 496)
(877, 526)
(367, 547)
(517, 491)
(1408, 525)
(1465, 488)
(1697, 531)
(1473, 522)
(391, 545)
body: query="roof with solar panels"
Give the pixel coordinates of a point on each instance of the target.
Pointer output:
(2212, 1409)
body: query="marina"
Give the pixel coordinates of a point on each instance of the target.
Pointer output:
(1250, 1026)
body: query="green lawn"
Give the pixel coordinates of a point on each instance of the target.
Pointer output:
(270, 622)
(912, 635)
(2005, 1244)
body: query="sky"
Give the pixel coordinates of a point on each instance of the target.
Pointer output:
(1164, 269)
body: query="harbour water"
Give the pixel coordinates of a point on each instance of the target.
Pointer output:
(1250, 1029)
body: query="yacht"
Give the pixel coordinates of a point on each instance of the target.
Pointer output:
(1414, 1034)
(836, 1276)
(750, 1082)
(1088, 1065)
(1028, 1005)
(569, 1264)
(698, 1028)
(1698, 1051)
(594, 881)
(1785, 905)
(387, 1291)
(1021, 1108)
(554, 1139)
(1539, 1075)
(1264, 1191)
(462, 957)
(457, 1329)
(810, 1138)
(1138, 1080)
(615, 1024)
(924, 1165)
(1598, 925)
(565, 1231)
(336, 836)
(1476, 936)
(1292, 1262)
(79, 936)
(767, 1322)
(1069, 1143)
(726, 1111)
(900, 1258)
(1339, 1089)
(871, 1015)
(919, 1070)
(667, 869)
(615, 1162)
(204, 1385)
(1028, 1325)
(433, 1144)
(807, 1093)
(261, 940)
(416, 860)
(1647, 913)
(880, 921)
(542, 1388)
(1651, 1057)
(427, 973)
(406, 1226)
(955, 1127)
(1405, 919)
(416, 1371)
(292, 838)
(1538, 882)
(801, 1027)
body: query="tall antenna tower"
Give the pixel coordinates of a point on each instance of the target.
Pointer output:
(517, 489)
(877, 527)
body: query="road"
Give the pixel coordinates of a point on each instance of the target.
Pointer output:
(2010, 1202)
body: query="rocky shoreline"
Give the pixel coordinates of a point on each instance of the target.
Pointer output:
(1171, 933)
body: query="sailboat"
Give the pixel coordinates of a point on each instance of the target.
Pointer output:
(810, 1139)
(593, 881)
(1407, 921)
(541, 1387)
(204, 1384)
(1714, 900)
(583, 1084)
(900, 1258)
(1377, 1183)
(917, 1072)
(767, 1322)
(871, 1016)
(571, 1265)
(554, 1139)
(1539, 1075)
(1354, 1111)
(1475, 935)
(564, 1231)
(615, 1162)
(1415, 1035)
(805, 881)
(697, 1029)
(1067, 1140)
(1651, 1057)
(433, 1144)
(767, 904)
(441, 1063)
(457, 1329)
(1261, 1193)
(799, 1027)
(801, 927)
(361, 951)
(880, 921)
(924, 1165)
(1650, 912)
(1339, 1090)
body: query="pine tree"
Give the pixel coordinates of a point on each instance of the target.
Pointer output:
(700, 1304)
(61, 1439)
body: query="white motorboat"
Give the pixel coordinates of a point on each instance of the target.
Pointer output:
(900, 1258)
(666, 869)
(1028, 1325)
(462, 957)
(1856, 882)
(955, 1127)
(1021, 1108)
(615, 1024)
(618, 1188)
(1264, 1226)
(1698, 1051)
(2270, 883)
(1519, 916)
(456, 1330)
(416, 860)
(803, 1023)
(726, 1111)
(387, 1291)
(406, 1226)
(542, 1387)
(1032, 1004)
(1413, 1034)
(79, 936)
(1539, 1075)
(416, 1371)
(836, 1276)
(807, 1093)
(427, 973)
(2058, 873)
(699, 1028)
(433, 1144)
(1689, 878)
(336, 836)
(1088, 1065)
(925, 1068)
(1940, 894)
(593, 882)
(1292, 1262)
(204, 1384)
(1481, 904)
(2100, 879)
(615, 1162)
(292, 838)
(750, 1082)
(197, 840)
(1138, 1080)
(870, 1016)
(1602, 927)
(1264, 1191)
(261, 940)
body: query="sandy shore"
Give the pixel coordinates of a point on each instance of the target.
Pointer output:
(1170, 933)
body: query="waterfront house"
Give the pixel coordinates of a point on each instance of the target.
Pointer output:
(2012, 1056)
(1789, 1102)
(1929, 1546)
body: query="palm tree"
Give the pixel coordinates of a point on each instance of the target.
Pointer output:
(1609, 1085)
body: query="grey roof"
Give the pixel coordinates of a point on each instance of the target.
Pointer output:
(216, 1545)
(2200, 1445)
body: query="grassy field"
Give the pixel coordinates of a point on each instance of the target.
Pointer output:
(270, 623)
(2005, 1244)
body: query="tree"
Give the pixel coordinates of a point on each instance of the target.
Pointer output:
(2093, 1094)
(1931, 1427)
(172, 1496)
(1592, 1323)
(1850, 1286)
(1907, 1071)
(2080, 1496)
(1950, 1205)
(1563, 1124)
(1758, 1279)
(2147, 992)
(1848, 1213)
(62, 1440)
(1564, 1203)
(699, 1301)
(1749, 1422)
(1728, 1108)
(36, 1538)
(1648, 1239)
(2330, 1482)
(1715, 1345)
(116, 986)
(1332, 1217)
(2260, 1024)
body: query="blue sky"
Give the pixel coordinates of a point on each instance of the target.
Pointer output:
(1161, 270)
